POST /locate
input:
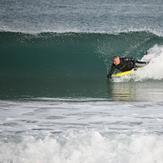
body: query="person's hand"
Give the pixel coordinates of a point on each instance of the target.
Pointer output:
(109, 76)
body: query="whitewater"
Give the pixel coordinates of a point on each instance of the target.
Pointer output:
(81, 130)
(155, 68)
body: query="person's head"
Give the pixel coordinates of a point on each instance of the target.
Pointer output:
(116, 60)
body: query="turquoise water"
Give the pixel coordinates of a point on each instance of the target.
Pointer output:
(65, 65)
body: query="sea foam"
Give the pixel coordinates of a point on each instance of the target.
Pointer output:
(85, 147)
(154, 70)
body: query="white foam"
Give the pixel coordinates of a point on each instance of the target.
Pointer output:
(85, 147)
(154, 70)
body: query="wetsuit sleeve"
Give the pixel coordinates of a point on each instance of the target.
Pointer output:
(134, 60)
(140, 62)
(129, 59)
(111, 71)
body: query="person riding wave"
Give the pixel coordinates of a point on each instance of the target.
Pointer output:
(124, 64)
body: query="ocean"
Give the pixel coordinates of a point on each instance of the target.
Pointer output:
(56, 103)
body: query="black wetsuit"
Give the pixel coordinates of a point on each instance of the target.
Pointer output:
(126, 64)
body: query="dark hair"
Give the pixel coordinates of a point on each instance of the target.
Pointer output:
(116, 56)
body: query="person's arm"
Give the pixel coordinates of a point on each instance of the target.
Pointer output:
(111, 71)
(129, 59)
(141, 62)
(134, 60)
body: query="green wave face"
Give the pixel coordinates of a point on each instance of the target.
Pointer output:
(66, 64)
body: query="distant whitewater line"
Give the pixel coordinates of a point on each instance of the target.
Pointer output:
(116, 31)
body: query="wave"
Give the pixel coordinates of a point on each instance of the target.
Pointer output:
(66, 53)
(102, 44)
(46, 61)
(87, 147)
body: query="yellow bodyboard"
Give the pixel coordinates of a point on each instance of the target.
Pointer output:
(119, 74)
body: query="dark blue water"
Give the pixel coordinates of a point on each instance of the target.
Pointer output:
(81, 16)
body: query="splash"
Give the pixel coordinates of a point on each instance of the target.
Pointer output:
(154, 70)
